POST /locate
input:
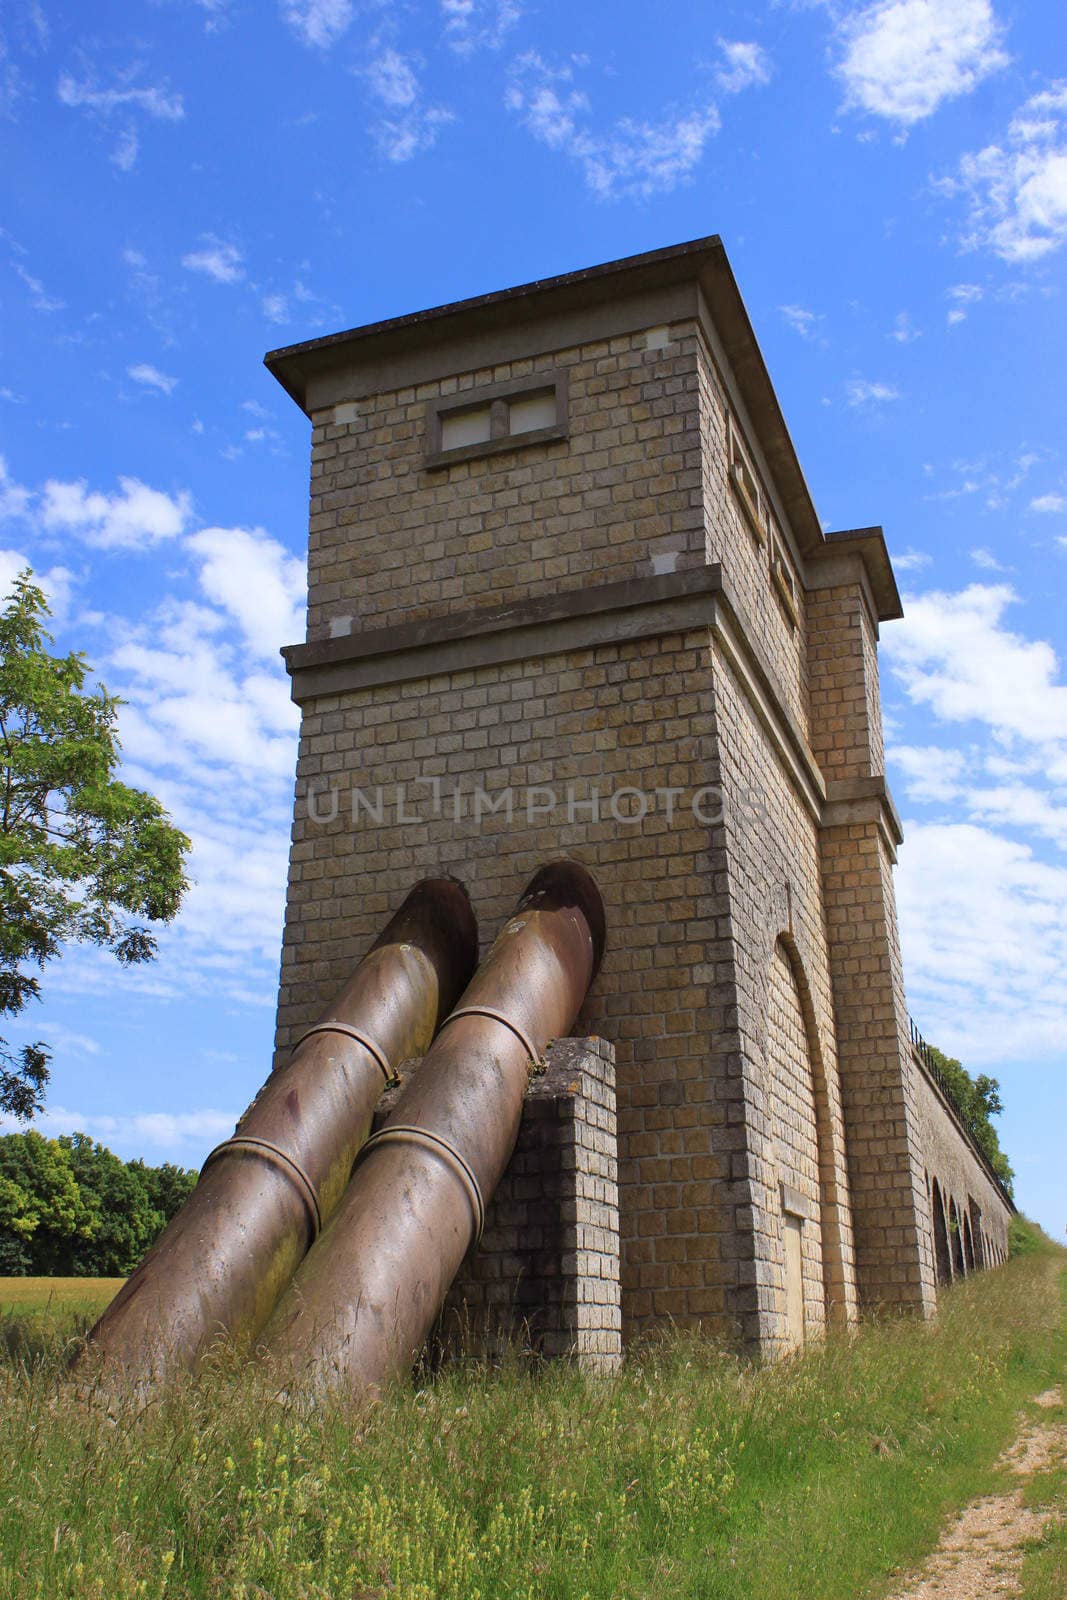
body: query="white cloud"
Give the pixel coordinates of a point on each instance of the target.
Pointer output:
(133, 519)
(319, 22)
(634, 158)
(904, 330)
(912, 560)
(801, 320)
(144, 1129)
(864, 392)
(744, 65)
(216, 258)
(478, 24)
(413, 127)
(153, 102)
(400, 138)
(903, 58)
(275, 307)
(14, 497)
(392, 79)
(151, 377)
(1046, 503)
(39, 297)
(951, 652)
(57, 583)
(256, 582)
(1016, 191)
(931, 773)
(126, 151)
(984, 934)
(986, 560)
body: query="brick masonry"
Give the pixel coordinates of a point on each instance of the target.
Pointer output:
(545, 1276)
(603, 612)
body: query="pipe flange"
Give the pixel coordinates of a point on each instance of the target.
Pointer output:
(495, 1016)
(280, 1158)
(406, 1133)
(381, 1060)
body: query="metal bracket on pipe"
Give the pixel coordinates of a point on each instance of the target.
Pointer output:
(403, 1133)
(494, 1016)
(291, 1168)
(380, 1058)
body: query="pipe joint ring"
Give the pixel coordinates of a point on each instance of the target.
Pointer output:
(495, 1016)
(437, 1144)
(284, 1162)
(378, 1055)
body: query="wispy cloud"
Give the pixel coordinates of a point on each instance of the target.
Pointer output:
(1016, 191)
(121, 103)
(868, 392)
(141, 1130)
(216, 258)
(1049, 503)
(986, 560)
(742, 65)
(912, 560)
(151, 378)
(410, 126)
(963, 296)
(40, 299)
(633, 158)
(479, 24)
(902, 59)
(155, 101)
(904, 330)
(319, 22)
(801, 320)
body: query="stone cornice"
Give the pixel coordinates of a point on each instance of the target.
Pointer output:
(547, 625)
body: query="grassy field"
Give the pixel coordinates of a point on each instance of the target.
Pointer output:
(694, 1474)
(79, 1296)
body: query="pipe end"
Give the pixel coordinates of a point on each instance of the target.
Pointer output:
(565, 883)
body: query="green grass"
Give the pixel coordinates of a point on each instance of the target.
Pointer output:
(1044, 1574)
(79, 1296)
(694, 1474)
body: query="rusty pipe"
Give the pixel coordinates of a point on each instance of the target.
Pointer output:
(264, 1194)
(365, 1298)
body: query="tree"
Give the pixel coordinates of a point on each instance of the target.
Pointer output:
(83, 858)
(71, 1207)
(977, 1100)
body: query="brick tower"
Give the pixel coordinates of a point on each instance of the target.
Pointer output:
(569, 596)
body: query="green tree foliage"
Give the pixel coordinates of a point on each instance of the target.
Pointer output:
(83, 857)
(70, 1208)
(977, 1100)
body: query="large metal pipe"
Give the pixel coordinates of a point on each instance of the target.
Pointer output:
(365, 1298)
(264, 1195)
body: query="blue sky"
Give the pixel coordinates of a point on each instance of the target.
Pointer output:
(188, 183)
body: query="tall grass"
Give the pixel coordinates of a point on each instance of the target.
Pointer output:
(693, 1473)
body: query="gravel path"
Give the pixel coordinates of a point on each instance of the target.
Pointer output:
(980, 1555)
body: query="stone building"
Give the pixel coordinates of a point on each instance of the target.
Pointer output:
(569, 595)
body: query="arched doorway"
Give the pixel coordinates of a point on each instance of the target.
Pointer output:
(942, 1254)
(794, 1117)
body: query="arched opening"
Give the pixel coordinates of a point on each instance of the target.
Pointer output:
(968, 1243)
(799, 1124)
(955, 1234)
(942, 1255)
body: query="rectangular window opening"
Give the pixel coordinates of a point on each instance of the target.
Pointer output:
(471, 425)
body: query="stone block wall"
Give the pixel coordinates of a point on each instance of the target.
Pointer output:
(391, 542)
(976, 1213)
(545, 1275)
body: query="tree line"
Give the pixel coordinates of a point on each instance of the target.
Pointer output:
(71, 1208)
(977, 1101)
